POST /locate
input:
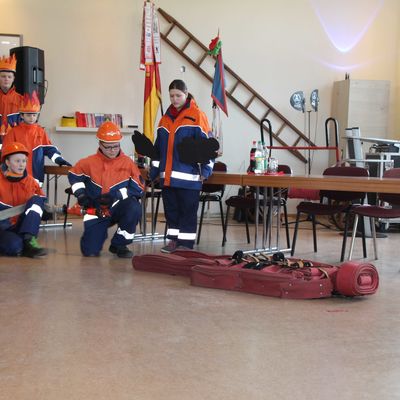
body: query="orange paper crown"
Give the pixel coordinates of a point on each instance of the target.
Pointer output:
(8, 63)
(30, 104)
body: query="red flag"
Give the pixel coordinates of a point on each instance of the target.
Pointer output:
(150, 58)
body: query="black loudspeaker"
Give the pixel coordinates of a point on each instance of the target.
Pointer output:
(30, 71)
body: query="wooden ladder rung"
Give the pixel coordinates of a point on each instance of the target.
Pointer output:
(186, 44)
(234, 87)
(172, 26)
(266, 114)
(250, 101)
(278, 132)
(203, 57)
(296, 142)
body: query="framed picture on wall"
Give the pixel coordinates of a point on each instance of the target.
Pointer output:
(9, 41)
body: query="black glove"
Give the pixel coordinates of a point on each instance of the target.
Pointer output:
(60, 161)
(84, 200)
(144, 146)
(198, 150)
(106, 200)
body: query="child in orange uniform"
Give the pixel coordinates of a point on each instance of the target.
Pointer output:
(108, 179)
(18, 234)
(9, 99)
(35, 138)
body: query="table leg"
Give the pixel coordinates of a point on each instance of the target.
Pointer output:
(266, 246)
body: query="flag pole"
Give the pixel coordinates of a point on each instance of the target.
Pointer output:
(150, 59)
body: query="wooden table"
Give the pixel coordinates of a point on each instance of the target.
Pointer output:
(348, 183)
(353, 183)
(53, 172)
(344, 183)
(226, 178)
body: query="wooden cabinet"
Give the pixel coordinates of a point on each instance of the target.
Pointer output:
(363, 104)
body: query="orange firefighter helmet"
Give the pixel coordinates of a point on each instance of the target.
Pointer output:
(109, 132)
(13, 148)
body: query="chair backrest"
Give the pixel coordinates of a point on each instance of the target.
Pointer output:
(212, 188)
(344, 195)
(391, 198)
(287, 171)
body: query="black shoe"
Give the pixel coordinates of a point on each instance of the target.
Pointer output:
(170, 247)
(120, 251)
(32, 249)
(47, 216)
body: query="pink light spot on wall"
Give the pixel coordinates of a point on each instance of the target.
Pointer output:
(346, 22)
(344, 67)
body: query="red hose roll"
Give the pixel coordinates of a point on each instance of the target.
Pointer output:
(357, 279)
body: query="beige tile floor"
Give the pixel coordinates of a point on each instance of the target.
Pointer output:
(93, 328)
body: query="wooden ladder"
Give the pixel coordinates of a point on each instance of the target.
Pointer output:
(237, 90)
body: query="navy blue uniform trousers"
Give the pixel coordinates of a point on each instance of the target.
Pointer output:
(180, 207)
(126, 214)
(11, 236)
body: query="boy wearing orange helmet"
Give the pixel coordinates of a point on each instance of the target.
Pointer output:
(34, 137)
(108, 179)
(9, 98)
(18, 234)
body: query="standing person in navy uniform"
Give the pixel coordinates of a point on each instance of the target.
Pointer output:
(110, 182)
(18, 234)
(181, 182)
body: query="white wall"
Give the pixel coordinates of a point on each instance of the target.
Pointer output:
(92, 57)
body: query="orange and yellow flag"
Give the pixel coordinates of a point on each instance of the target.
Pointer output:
(149, 60)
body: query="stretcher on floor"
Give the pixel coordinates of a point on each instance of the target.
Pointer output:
(269, 275)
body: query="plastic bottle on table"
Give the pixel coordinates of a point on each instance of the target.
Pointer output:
(252, 165)
(259, 159)
(265, 153)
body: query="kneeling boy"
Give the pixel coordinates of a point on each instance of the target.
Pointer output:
(18, 234)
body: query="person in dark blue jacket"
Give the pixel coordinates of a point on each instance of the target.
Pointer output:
(181, 182)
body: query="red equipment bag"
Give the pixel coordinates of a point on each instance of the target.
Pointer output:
(274, 280)
(178, 263)
(269, 275)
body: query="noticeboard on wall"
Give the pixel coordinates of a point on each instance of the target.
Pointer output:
(9, 41)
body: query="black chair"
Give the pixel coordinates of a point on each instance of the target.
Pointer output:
(212, 193)
(336, 202)
(154, 192)
(391, 210)
(246, 203)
